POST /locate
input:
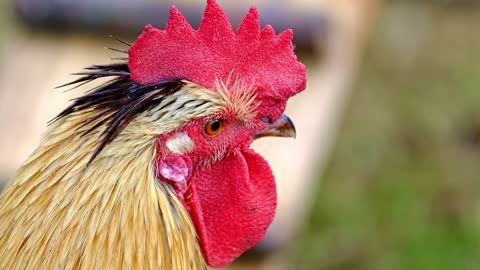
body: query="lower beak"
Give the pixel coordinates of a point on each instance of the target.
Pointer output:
(282, 127)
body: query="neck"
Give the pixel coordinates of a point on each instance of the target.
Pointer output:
(112, 214)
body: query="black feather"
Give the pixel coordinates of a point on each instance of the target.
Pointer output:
(121, 41)
(120, 99)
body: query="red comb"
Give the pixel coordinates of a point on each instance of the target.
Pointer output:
(215, 52)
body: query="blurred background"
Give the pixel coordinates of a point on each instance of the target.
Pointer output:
(385, 171)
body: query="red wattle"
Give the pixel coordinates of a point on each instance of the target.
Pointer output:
(233, 202)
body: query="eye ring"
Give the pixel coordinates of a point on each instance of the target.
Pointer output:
(214, 127)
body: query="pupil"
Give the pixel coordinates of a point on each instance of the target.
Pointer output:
(215, 126)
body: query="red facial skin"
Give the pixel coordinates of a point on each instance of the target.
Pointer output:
(231, 194)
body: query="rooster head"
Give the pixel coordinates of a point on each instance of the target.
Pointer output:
(204, 95)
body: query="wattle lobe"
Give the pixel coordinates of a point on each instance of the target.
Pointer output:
(232, 204)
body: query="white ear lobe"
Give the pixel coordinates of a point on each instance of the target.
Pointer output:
(180, 144)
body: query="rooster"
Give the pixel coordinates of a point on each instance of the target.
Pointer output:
(153, 168)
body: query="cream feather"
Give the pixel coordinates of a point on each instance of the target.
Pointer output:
(113, 214)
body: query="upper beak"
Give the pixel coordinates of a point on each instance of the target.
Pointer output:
(282, 127)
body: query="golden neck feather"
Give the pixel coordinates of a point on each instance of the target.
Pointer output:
(60, 214)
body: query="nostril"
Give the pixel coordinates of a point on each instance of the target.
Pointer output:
(266, 119)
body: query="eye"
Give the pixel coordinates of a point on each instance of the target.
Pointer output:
(213, 127)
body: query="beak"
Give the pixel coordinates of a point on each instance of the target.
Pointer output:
(282, 127)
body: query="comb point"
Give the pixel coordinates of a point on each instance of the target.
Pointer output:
(267, 33)
(285, 39)
(249, 28)
(215, 21)
(177, 24)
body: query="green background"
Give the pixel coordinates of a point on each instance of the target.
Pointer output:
(402, 188)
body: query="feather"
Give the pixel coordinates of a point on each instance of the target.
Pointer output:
(112, 214)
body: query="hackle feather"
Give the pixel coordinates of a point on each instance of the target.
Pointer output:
(113, 214)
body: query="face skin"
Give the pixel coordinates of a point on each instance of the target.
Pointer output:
(199, 143)
(206, 140)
